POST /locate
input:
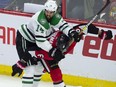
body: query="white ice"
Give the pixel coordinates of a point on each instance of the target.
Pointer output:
(8, 81)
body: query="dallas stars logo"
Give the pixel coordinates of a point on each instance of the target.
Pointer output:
(43, 21)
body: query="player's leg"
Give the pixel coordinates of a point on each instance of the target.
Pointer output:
(56, 74)
(37, 74)
(32, 75)
(21, 46)
(27, 79)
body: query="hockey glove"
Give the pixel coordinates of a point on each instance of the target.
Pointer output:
(18, 68)
(56, 54)
(75, 34)
(29, 59)
(91, 28)
(32, 61)
(108, 34)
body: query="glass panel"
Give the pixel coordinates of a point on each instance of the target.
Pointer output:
(75, 9)
(87, 9)
(17, 4)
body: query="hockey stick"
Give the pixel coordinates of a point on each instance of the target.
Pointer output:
(93, 19)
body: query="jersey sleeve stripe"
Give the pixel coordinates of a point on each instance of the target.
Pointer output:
(38, 36)
(26, 33)
(64, 28)
(40, 40)
(63, 25)
(30, 32)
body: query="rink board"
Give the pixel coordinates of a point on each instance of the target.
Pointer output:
(90, 65)
(68, 79)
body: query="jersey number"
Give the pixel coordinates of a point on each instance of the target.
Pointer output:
(39, 29)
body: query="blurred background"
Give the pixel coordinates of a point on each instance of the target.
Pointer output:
(74, 9)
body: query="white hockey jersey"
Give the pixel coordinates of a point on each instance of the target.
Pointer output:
(39, 29)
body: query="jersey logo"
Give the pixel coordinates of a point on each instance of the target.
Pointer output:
(43, 21)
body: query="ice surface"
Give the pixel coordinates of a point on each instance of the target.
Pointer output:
(8, 81)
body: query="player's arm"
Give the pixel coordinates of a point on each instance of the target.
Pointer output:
(75, 32)
(95, 30)
(67, 29)
(42, 42)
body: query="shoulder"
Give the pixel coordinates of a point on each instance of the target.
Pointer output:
(36, 15)
(41, 20)
(57, 16)
(56, 19)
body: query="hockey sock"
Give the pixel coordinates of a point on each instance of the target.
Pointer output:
(36, 81)
(27, 81)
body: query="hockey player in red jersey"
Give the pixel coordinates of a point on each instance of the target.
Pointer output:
(38, 35)
(65, 44)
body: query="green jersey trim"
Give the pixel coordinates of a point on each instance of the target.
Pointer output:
(40, 40)
(55, 19)
(27, 82)
(42, 20)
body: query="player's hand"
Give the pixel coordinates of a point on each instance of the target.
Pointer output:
(75, 34)
(56, 54)
(32, 61)
(108, 34)
(18, 68)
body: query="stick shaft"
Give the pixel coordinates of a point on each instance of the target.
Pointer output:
(93, 19)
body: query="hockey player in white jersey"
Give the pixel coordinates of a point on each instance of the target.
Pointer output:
(34, 36)
(35, 33)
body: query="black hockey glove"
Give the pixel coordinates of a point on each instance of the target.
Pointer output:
(18, 68)
(108, 34)
(91, 28)
(29, 59)
(75, 34)
(32, 61)
(56, 54)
